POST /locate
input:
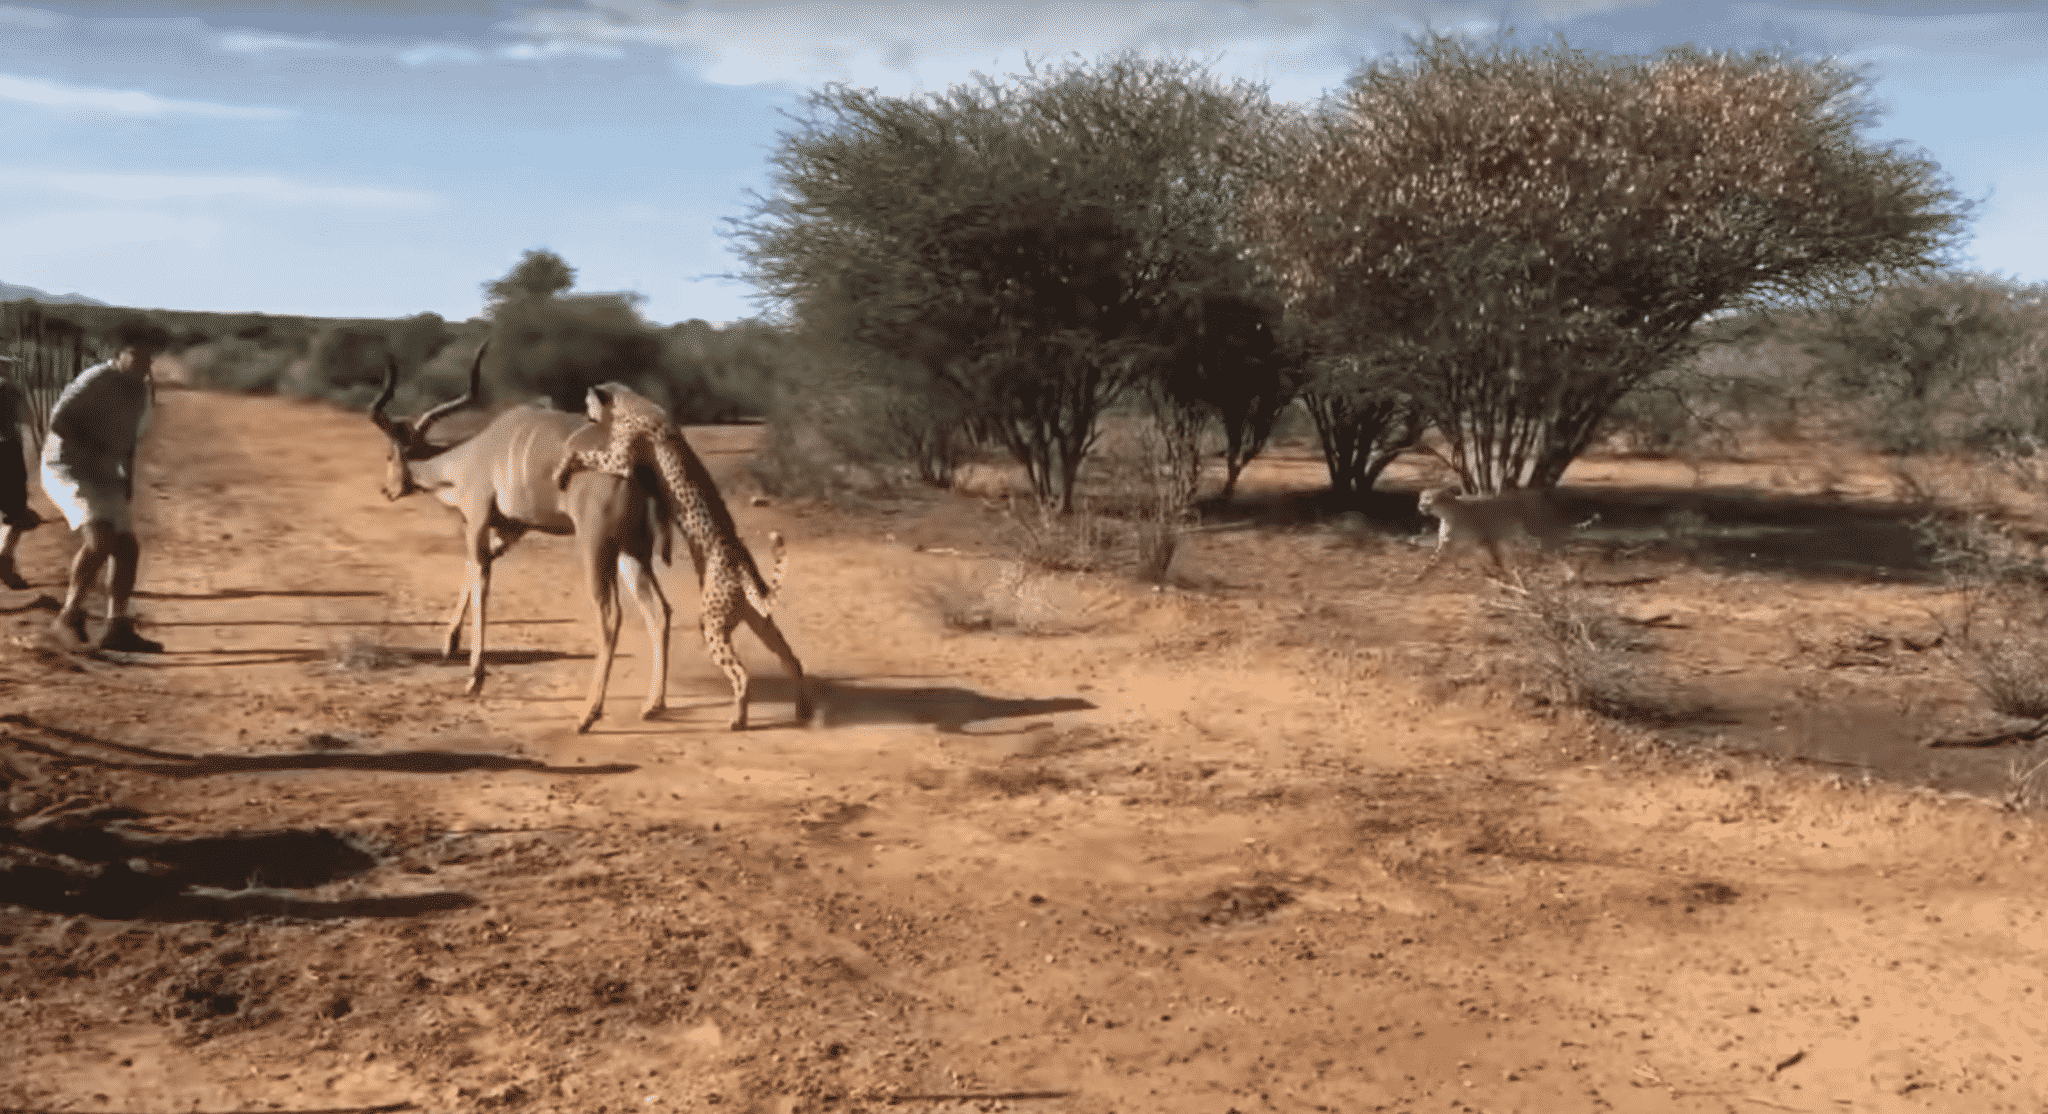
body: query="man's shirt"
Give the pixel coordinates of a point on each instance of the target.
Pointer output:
(97, 423)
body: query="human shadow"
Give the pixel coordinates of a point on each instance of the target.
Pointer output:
(177, 765)
(377, 624)
(174, 658)
(42, 602)
(948, 708)
(253, 593)
(91, 865)
(493, 657)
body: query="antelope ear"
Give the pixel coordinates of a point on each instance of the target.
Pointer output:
(594, 402)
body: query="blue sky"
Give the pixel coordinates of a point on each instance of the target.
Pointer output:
(385, 157)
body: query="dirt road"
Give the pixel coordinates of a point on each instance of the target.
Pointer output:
(1279, 846)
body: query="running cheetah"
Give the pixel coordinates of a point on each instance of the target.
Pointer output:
(1488, 521)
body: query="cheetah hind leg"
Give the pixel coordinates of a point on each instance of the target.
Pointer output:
(719, 623)
(764, 628)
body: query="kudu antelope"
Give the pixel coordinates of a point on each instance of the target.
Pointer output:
(502, 481)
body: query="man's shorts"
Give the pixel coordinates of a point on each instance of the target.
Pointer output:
(90, 499)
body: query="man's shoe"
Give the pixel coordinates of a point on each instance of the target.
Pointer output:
(11, 576)
(120, 636)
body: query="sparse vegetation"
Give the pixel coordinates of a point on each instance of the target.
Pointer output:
(1586, 655)
(1997, 635)
(958, 601)
(1998, 640)
(1084, 541)
(362, 652)
(549, 344)
(1518, 238)
(2028, 775)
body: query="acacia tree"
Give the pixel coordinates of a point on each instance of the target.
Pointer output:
(1015, 240)
(539, 273)
(1528, 234)
(560, 347)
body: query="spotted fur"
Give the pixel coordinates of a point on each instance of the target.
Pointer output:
(639, 434)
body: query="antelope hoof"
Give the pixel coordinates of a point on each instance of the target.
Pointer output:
(739, 724)
(652, 712)
(589, 718)
(476, 685)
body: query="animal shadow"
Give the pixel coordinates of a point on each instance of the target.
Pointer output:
(947, 708)
(90, 865)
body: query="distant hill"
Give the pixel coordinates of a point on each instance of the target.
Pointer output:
(12, 293)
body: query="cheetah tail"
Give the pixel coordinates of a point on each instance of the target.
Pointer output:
(761, 591)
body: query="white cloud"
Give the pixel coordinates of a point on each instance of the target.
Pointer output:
(259, 42)
(33, 19)
(125, 102)
(1892, 38)
(250, 188)
(1300, 48)
(440, 54)
(556, 48)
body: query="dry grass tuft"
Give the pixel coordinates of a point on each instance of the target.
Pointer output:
(956, 600)
(1589, 656)
(364, 653)
(1998, 637)
(1009, 597)
(1158, 542)
(1015, 781)
(1084, 541)
(1999, 643)
(2027, 782)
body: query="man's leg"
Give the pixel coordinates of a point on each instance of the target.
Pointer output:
(10, 536)
(120, 633)
(16, 518)
(96, 544)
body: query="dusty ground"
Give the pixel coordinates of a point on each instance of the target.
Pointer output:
(1299, 840)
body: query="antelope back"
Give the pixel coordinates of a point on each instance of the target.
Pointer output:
(511, 464)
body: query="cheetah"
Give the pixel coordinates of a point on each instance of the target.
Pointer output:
(638, 433)
(1490, 520)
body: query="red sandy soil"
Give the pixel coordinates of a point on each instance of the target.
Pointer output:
(1297, 839)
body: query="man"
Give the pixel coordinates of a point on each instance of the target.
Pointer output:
(89, 472)
(16, 517)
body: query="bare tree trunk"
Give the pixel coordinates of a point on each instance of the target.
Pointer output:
(1361, 435)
